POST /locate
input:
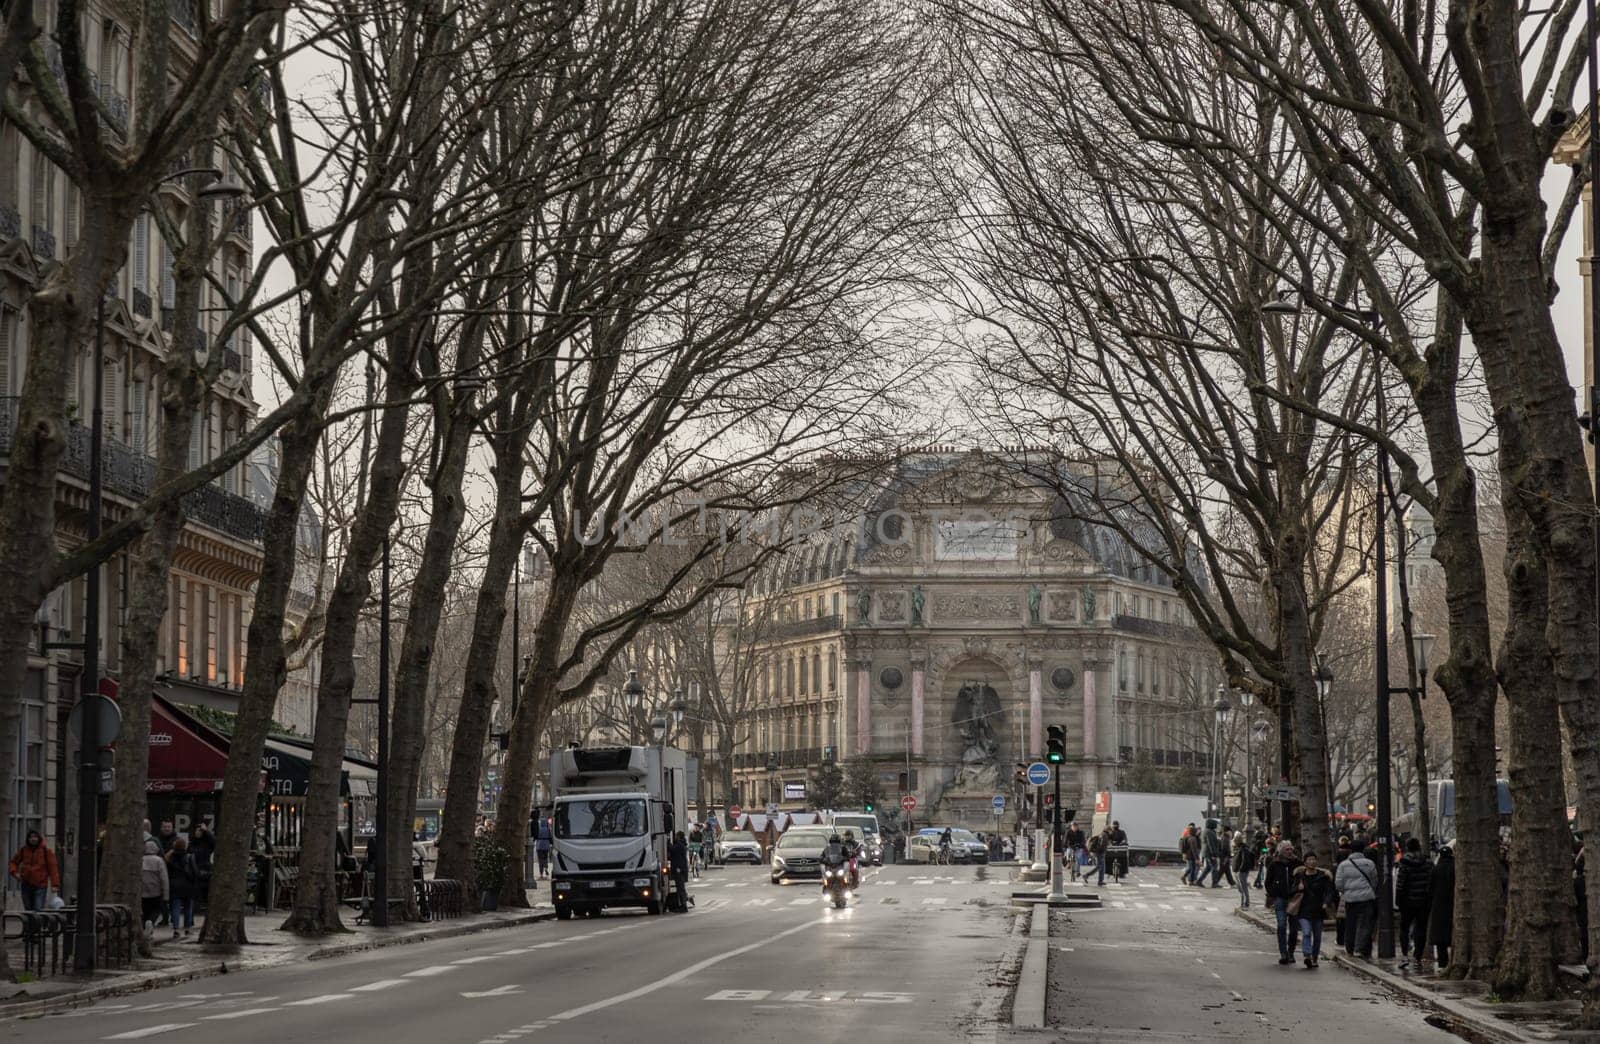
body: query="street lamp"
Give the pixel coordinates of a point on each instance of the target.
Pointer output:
(677, 706)
(658, 730)
(90, 741)
(1223, 710)
(1246, 698)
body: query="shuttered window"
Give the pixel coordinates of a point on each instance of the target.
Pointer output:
(111, 397)
(7, 389)
(137, 435)
(141, 252)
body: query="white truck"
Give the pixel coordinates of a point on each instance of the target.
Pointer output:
(1153, 822)
(616, 809)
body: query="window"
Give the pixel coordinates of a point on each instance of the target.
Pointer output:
(803, 687)
(816, 672)
(1122, 671)
(10, 157)
(141, 252)
(10, 372)
(42, 197)
(836, 603)
(27, 797)
(833, 669)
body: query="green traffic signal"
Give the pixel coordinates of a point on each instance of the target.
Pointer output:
(867, 807)
(1056, 745)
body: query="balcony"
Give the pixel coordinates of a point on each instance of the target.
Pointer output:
(186, 13)
(142, 305)
(232, 362)
(1154, 628)
(44, 243)
(10, 222)
(131, 475)
(802, 628)
(239, 225)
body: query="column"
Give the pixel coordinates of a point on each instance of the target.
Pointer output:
(863, 744)
(1090, 712)
(1035, 708)
(917, 708)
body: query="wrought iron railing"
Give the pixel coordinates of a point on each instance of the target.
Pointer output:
(142, 305)
(10, 221)
(1154, 628)
(44, 243)
(127, 473)
(801, 628)
(187, 14)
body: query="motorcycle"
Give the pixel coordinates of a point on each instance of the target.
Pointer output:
(835, 881)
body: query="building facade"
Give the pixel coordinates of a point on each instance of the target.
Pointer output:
(968, 610)
(202, 644)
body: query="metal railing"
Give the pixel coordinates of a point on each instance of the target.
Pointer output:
(815, 625)
(44, 243)
(10, 221)
(130, 474)
(1154, 628)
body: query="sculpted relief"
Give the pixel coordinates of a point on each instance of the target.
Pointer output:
(976, 607)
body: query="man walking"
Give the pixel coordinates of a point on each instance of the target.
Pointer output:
(1244, 862)
(1279, 884)
(34, 868)
(1189, 849)
(1227, 854)
(1357, 883)
(1074, 847)
(1412, 896)
(1214, 854)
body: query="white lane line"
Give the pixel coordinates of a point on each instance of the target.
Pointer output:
(1164, 906)
(1211, 909)
(1142, 906)
(433, 969)
(167, 1005)
(681, 974)
(1149, 886)
(237, 1014)
(512, 953)
(938, 900)
(738, 884)
(803, 902)
(150, 1031)
(381, 984)
(475, 960)
(759, 902)
(1119, 904)
(323, 999)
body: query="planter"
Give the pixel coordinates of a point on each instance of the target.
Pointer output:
(490, 900)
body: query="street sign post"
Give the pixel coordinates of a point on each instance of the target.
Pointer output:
(999, 803)
(1283, 792)
(1038, 773)
(909, 803)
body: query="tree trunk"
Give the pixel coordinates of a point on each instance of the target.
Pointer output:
(410, 710)
(478, 689)
(265, 671)
(1538, 936)
(149, 570)
(1310, 742)
(316, 899)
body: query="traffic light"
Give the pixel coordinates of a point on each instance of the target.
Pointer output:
(1056, 745)
(1372, 808)
(866, 806)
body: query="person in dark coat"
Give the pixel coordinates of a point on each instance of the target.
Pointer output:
(542, 846)
(1413, 889)
(1442, 905)
(183, 883)
(1314, 892)
(203, 847)
(678, 856)
(1279, 881)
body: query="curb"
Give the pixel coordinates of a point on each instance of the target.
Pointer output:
(1027, 1010)
(142, 983)
(1464, 1018)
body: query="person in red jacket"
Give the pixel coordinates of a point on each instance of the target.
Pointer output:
(34, 867)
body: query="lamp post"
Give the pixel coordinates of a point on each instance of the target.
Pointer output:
(90, 740)
(1246, 698)
(1223, 711)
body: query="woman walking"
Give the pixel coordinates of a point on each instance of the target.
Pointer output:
(1313, 893)
(154, 887)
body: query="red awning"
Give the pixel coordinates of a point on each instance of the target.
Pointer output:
(181, 760)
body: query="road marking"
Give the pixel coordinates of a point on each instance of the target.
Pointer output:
(432, 969)
(323, 999)
(150, 1031)
(738, 884)
(1211, 909)
(803, 902)
(498, 991)
(238, 1014)
(475, 960)
(683, 973)
(1119, 904)
(759, 902)
(512, 953)
(167, 1005)
(1142, 906)
(1142, 885)
(381, 984)
(935, 900)
(1164, 906)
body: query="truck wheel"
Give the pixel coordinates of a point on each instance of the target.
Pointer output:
(563, 913)
(1141, 860)
(653, 908)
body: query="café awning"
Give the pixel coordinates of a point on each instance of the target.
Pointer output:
(183, 760)
(288, 767)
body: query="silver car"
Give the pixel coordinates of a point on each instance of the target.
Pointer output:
(799, 853)
(738, 846)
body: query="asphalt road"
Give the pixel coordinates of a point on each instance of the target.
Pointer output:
(1203, 974)
(920, 955)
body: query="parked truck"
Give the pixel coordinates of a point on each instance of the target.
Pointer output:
(615, 811)
(1153, 822)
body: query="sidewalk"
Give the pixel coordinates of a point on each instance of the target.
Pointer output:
(1463, 1004)
(178, 960)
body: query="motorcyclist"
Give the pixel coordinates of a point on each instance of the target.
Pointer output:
(833, 854)
(852, 852)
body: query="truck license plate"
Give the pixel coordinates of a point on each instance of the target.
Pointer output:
(602, 884)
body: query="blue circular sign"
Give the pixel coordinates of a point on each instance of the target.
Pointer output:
(999, 802)
(1038, 773)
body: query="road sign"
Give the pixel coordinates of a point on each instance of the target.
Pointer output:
(772, 808)
(909, 802)
(108, 718)
(1283, 793)
(735, 811)
(999, 803)
(1038, 773)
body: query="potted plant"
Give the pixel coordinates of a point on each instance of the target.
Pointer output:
(489, 867)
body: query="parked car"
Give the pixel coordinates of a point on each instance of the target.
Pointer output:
(799, 853)
(921, 848)
(964, 845)
(738, 846)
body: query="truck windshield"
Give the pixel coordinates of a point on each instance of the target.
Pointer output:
(601, 818)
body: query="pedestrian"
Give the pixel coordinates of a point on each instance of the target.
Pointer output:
(1097, 848)
(1412, 890)
(1313, 892)
(678, 857)
(203, 847)
(1265, 847)
(541, 846)
(1357, 883)
(1189, 849)
(1216, 854)
(1075, 842)
(1244, 862)
(1442, 906)
(34, 867)
(183, 883)
(154, 887)
(166, 836)
(1117, 851)
(1279, 881)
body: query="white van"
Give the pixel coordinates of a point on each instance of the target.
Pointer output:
(865, 825)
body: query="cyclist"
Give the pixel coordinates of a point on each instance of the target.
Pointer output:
(944, 847)
(696, 848)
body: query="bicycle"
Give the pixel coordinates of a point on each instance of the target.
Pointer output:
(944, 857)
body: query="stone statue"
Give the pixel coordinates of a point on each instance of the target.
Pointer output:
(918, 600)
(1035, 597)
(864, 606)
(1088, 605)
(977, 716)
